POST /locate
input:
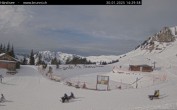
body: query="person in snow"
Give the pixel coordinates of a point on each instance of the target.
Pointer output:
(156, 93)
(84, 85)
(72, 95)
(2, 98)
(1, 77)
(120, 87)
(65, 98)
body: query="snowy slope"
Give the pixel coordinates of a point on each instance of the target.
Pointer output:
(30, 89)
(103, 58)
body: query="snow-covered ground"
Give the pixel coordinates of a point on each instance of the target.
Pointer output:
(31, 89)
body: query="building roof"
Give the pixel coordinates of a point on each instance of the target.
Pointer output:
(2, 54)
(143, 65)
(7, 61)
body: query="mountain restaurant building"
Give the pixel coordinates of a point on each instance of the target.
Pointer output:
(8, 62)
(143, 68)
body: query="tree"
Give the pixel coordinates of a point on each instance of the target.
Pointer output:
(4, 49)
(57, 64)
(11, 53)
(1, 49)
(78, 60)
(39, 62)
(54, 61)
(24, 62)
(32, 58)
(68, 60)
(8, 50)
(8, 47)
(103, 63)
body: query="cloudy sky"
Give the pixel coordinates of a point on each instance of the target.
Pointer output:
(84, 30)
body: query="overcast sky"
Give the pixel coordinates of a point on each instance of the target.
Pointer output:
(84, 30)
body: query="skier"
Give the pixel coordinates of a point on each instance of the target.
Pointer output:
(2, 98)
(120, 87)
(1, 78)
(156, 93)
(84, 85)
(65, 97)
(72, 95)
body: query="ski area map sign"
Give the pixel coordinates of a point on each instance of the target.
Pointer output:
(103, 80)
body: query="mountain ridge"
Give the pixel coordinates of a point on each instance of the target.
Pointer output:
(156, 43)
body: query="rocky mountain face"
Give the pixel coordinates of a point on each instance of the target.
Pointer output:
(160, 40)
(165, 35)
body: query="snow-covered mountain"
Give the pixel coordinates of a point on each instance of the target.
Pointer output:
(163, 42)
(162, 47)
(47, 56)
(155, 44)
(104, 58)
(160, 41)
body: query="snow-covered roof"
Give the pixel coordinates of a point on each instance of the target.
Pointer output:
(2, 54)
(7, 61)
(143, 65)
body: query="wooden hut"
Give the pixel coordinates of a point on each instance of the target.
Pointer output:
(143, 68)
(8, 62)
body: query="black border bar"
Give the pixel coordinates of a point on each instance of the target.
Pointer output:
(71, 2)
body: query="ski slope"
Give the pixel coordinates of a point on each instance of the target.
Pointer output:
(30, 90)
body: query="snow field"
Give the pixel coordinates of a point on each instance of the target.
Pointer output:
(30, 89)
